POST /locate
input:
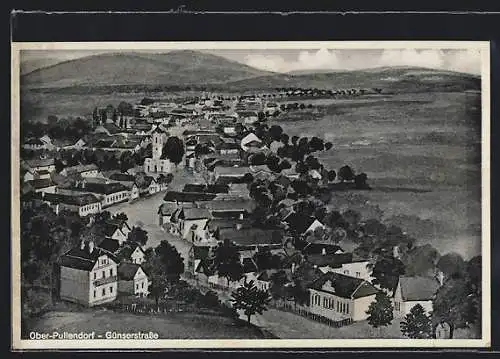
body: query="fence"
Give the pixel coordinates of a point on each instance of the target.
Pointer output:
(304, 312)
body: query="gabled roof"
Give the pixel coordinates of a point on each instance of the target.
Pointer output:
(251, 137)
(200, 252)
(317, 248)
(418, 288)
(38, 162)
(78, 200)
(299, 222)
(166, 209)
(251, 236)
(101, 188)
(173, 196)
(231, 171)
(249, 265)
(241, 205)
(332, 260)
(344, 286)
(123, 177)
(127, 271)
(41, 183)
(217, 224)
(194, 213)
(82, 259)
(81, 168)
(110, 245)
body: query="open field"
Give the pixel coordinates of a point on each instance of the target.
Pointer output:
(171, 326)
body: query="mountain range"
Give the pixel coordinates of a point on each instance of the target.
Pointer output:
(193, 68)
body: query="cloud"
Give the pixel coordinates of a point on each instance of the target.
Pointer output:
(468, 61)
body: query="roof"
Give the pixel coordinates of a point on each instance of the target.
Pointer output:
(41, 183)
(251, 137)
(418, 288)
(211, 188)
(112, 128)
(344, 286)
(231, 171)
(240, 205)
(81, 168)
(101, 188)
(127, 271)
(249, 265)
(124, 177)
(173, 196)
(194, 213)
(77, 200)
(194, 187)
(126, 250)
(110, 245)
(200, 252)
(166, 209)
(215, 224)
(246, 113)
(251, 236)
(299, 222)
(332, 260)
(82, 259)
(34, 141)
(38, 162)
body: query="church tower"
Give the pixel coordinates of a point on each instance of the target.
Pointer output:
(158, 142)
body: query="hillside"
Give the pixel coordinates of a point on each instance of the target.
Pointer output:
(172, 68)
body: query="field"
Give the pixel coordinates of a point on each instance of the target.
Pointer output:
(171, 326)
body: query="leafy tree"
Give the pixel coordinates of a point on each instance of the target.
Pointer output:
(275, 132)
(284, 138)
(295, 140)
(360, 181)
(155, 270)
(380, 312)
(138, 235)
(346, 174)
(420, 260)
(374, 227)
(171, 260)
(102, 217)
(386, 272)
(273, 163)
(316, 144)
(278, 281)
(452, 265)
(331, 175)
(227, 261)
(284, 165)
(125, 108)
(250, 299)
(416, 324)
(174, 149)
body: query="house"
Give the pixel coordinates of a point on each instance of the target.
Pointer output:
(47, 141)
(88, 275)
(328, 262)
(250, 141)
(411, 291)
(248, 117)
(110, 193)
(34, 144)
(231, 174)
(132, 280)
(196, 255)
(235, 208)
(302, 224)
(123, 178)
(227, 148)
(131, 252)
(83, 204)
(191, 223)
(43, 185)
(338, 297)
(78, 145)
(239, 189)
(109, 245)
(356, 268)
(116, 229)
(322, 248)
(165, 212)
(147, 185)
(90, 170)
(41, 164)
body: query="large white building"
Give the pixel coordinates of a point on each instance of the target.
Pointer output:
(158, 163)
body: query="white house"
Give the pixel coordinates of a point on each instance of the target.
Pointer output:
(132, 279)
(88, 275)
(411, 291)
(192, 222)
(250, 140)
(357, 269)
(90, 170)
(337, 297)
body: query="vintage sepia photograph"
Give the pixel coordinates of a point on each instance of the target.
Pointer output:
(250, 195)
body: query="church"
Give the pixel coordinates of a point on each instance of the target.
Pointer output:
(158, 163)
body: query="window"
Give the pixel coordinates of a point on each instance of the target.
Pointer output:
(325, 305)
(111, 289)
(137, 286)
(103, 291)
(142, 285)
(95, 293)
(111, 272)
(95, 277)
(358, 274)
(103, 274)
(347, 308)
(338, 307)
(346, 272)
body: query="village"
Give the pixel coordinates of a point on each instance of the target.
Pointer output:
(229, 205)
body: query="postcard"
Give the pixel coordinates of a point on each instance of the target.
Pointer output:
(250, 195)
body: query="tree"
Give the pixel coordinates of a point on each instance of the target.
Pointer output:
(452, 265)
(285, 138)
(278, 281)
(316, 144)
(380, 312)
(416, 324)
(360, 181)
(275, 132)
(331, 175)
(156, 273)
(171, 261)
(273, 163)
(174, 149)
(420, 260)
(122, 216)
(386, 272)
(227, 261)
(138, 235)
(125, 108)
(346, 174)
(250, 299)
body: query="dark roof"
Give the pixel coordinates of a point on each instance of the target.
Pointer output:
(227, 146)
(41, 183)
(101, 188)
(230, 214)
(194, 187)
(40, 162)
(317, 248)
(76, 200)
(234, 205)
(173, 196)
(200, 252)
(200, 188)
(81, 168)
(205, 267)
(127, 249)
(194, 213)
(145, 182)
(166, 209)
(299, 222)
(104, 143)
(127, 271)
(344, 286)
(117, 176)
(110, 245)
(217, 224)
(332, 260)
(251, 236)
(112, 128)
(82, 259)
(418, 288)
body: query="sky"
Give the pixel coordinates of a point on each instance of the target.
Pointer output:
(286, 60)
